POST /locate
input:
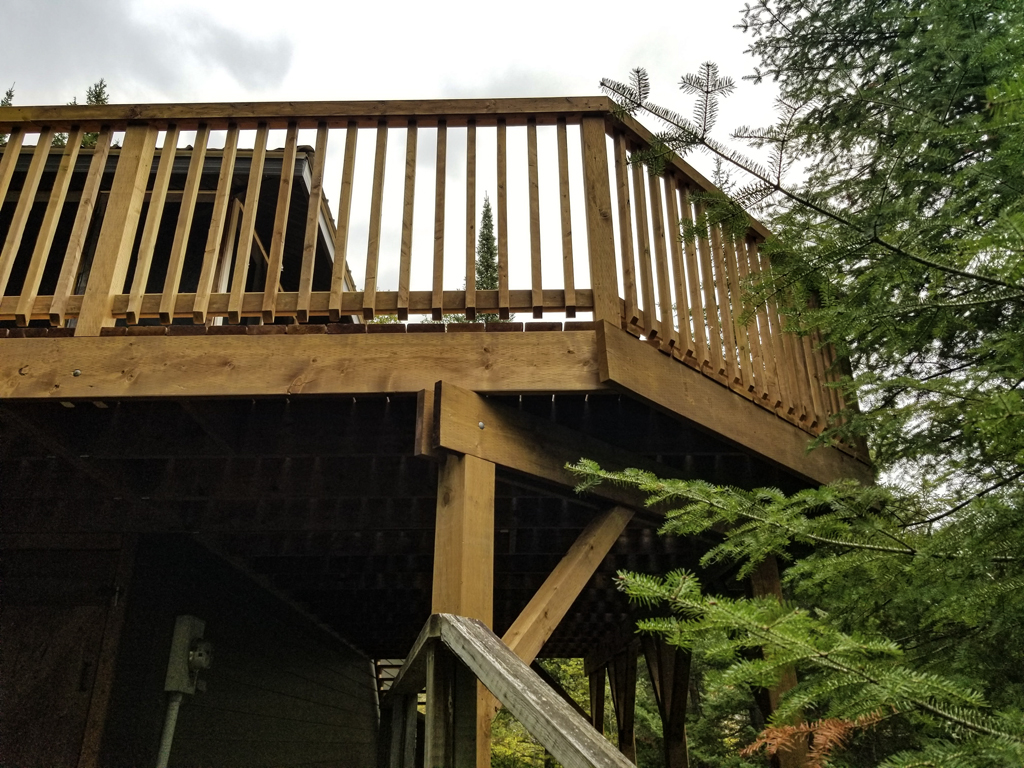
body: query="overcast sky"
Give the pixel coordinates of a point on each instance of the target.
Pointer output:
(220, 50)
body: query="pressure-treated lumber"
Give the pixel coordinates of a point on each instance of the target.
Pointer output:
(552, 601)
(526, 443)
(236, 366)
(600, 235)
(463, 583)
(658, 379)
(117, 237)
(464, 538)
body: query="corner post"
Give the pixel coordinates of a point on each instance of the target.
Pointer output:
(117, 236)
(600, 233)
(622, 676)
(765, 582)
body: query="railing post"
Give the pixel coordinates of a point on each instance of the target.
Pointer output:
(117, 236)
(600, 233)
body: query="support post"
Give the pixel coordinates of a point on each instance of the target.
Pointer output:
(464, 564)
(622, 675)
(451, 719)
(596, 680)
(765, 582)
(600, 234)
(400, 722)
(117, 236)
(669, 668)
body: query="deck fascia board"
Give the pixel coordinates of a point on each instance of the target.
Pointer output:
(644, 372)
(316, 364)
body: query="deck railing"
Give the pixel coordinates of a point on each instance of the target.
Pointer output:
(141, 229)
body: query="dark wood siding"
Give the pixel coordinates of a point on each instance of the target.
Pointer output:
(281, 692)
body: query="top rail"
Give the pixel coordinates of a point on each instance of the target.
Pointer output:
(308, 114)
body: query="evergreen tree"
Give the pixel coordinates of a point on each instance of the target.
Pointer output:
(904, 245)
(487, 259)
(6, 101)
(94, 94)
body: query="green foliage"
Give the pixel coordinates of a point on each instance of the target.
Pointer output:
(6, 101)
(902, 242)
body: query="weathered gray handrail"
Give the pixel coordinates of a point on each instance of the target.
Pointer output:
(564, 733)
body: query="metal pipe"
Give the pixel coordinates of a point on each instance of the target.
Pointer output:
(170, 721)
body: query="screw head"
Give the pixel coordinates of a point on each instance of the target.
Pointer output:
(481, 425)
(76, 372)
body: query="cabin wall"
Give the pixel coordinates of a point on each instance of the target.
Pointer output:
(281, 691)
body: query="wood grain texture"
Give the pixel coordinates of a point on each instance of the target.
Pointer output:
(528, 444)
(117, 236)
(224, 366)
(48, 228)
(660, 380)
(464, 538)
(600, 234)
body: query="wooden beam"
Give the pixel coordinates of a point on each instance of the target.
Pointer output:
(669, 668)
(552, 601)
(464, 584)
(595, 682)
(660, 380)
(765, 582)
(464, 538)
(236, 366)
(528, 444)
(622, 676)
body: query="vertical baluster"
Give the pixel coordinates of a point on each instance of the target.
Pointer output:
(721, 280)
(309, 240)
(568, 277)
(344, 216)
(795, 402)
(643, 244)
(405, 254)
(537, 292)
(157, 199)
(699, 313)
(772, 351)
(471, 220)
(218, 221)
(248, 231)
(48, 228)
(373, 242)
(669, 336)
(806, 354)
(437, 292)
(736, 309)
(625, 231)
(9, 159)
(710, 301)
(227, 253)
(179, 249)
(685, 335)
(26, 198)
(117, 236)
(284, 199)
(503, 297)
(759, 369)
(80, 230)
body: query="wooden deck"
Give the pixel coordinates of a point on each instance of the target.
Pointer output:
(186, 348)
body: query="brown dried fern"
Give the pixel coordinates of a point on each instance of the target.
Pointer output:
(823, 736)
